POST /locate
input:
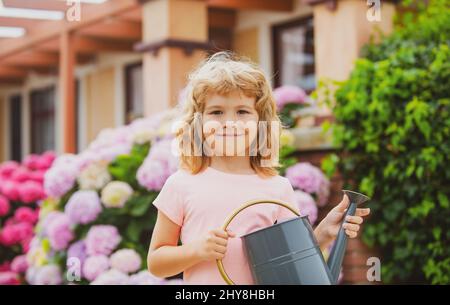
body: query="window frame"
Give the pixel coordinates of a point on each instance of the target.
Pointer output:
(128, 88)
(51, 113)
(276, 30)
(15, 125)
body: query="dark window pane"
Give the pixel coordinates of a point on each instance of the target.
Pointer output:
(294, 54)
(134, 92)
(16, 127)
(42, 120)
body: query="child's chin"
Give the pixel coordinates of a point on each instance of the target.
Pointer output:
(220, 153)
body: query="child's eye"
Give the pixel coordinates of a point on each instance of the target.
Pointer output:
(216, 112)
(243, 112)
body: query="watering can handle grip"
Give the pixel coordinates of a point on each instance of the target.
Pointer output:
(220, 266)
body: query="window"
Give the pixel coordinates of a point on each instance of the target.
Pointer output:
(15, 126)
(42, 111)
(134, 107)
(293, 54)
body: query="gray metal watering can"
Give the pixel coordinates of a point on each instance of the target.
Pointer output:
(287, 253)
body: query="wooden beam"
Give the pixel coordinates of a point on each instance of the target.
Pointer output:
(114, 29)
(11, 81)
(88, 45)
(221, 18)
(67, 90)
(12, 72)
(51, 29)
(271, 5)
(51, 45)
(132, 15)
(32, 59)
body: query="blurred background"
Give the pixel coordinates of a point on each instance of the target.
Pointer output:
(71, 71)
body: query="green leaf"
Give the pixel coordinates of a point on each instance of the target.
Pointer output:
(443, 200)
(139, 205)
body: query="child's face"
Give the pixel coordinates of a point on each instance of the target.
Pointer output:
(230, 124)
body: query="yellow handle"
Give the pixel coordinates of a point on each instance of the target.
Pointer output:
(222, 271)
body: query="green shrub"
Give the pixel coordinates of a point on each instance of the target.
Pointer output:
(393, 125)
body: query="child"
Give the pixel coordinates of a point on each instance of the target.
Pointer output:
(230, 96)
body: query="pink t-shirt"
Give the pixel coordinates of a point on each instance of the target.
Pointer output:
(202, 202)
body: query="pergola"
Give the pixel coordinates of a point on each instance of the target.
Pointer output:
(57, 45)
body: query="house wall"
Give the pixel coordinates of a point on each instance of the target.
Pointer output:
(252, 35)
(246, 43)
(101, 101)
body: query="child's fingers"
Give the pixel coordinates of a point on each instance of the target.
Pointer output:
(220, 249)
(342, 206)
(219, 241)
(220, 233)
(351, 234)
(354, 219)
(362, 212)
(351, 227)
(231, 233)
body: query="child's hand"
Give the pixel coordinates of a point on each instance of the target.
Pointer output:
(214, 245)
(329, 227)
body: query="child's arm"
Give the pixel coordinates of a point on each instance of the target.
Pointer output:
(165, 258)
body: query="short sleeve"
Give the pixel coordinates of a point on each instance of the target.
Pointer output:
(170, 200)
(288, 196)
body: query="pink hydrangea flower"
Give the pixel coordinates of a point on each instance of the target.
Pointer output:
(289, 94)
(306, 205)
(45, 161)
(95, 265)
(7, 168)
(102, 239)
(310, 179)
(26, 214)
(31, 161)
(83, 207)
(78, 250)
(59, 231)
(19, 264)
(61, 177)
(4, 206)
(145, 278)
(160, 163)
(126, 260)
(21, 174)
(9, 278)
(31, 191)
(111, 277)
(47, 275)
(11, 190)
(38, 176)
(14, 233)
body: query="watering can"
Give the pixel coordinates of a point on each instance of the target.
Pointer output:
(287, 253)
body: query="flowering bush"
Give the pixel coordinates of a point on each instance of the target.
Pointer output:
(21, 189)
(310, 179)
(289, 99)
(95, 223)
(311, 186)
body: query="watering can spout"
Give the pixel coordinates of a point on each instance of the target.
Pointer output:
(338, 251)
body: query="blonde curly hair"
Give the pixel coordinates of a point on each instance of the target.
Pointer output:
(224, 73)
